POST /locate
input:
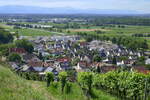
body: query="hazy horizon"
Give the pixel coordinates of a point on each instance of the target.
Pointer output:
(141, 6)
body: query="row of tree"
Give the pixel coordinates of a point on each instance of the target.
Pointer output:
(121, 20)
(141, 35)
(127, 41)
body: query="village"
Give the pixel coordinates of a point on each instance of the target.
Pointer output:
(61, 53)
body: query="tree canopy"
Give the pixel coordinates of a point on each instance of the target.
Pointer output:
(5, 36)
(14, 57)
(25, 44)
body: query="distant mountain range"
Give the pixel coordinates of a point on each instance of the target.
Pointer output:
(63, 10)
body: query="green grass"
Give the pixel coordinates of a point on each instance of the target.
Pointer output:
(13, 87)
(77, 94)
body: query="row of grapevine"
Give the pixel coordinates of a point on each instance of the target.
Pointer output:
(126, 85)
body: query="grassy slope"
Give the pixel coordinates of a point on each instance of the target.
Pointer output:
(77, 94)
(12, 87)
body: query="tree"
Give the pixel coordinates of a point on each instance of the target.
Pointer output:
(75, 61)
(114, 40)
(97, 58)
(49, 78)
(5, 36)
(4, 49)
(141, 60)
(25, 44)
(14, 57)
(114, 60)
(85, 79)
(89, 39)
(63, 79)
(40, 56)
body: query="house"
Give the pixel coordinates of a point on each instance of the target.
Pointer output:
(64, 66)
(14, 66)
(50, 69)
(30, 57)
(120, 63)
(105, 69)
(147, 62)
(17, 50)
(141, 69)
(35, 63)
(38, 69)
(64, 59)
(87, 59)
(26, 68)
(83, 44)
(82, 65)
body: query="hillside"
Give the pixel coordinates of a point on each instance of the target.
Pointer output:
(12, 87)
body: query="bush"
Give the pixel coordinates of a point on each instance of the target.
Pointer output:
(14, 57)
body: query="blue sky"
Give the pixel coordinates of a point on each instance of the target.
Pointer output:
(138, 5)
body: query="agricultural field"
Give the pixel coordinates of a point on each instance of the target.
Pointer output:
(31, 32)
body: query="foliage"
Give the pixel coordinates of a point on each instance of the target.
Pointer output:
(141, 60)
(89, 39)
(12, 87)
(63, 79)
(5, 36)
(97, 58)
(114, 60)
(126, 85)
(85, 79)
(25, 44)
(75, 61)
(49, 78)
(129, 42)
(68, 87)
(14, 57)
(4, 49)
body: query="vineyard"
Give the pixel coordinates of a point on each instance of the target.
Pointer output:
(123, 84)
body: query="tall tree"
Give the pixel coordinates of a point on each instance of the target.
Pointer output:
(49, 78)
(63, 79)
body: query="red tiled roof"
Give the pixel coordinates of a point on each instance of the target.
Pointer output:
(142, 69)
(35, 64)
(106, 69)
(17, 50)
(83, 43)
(64, 59)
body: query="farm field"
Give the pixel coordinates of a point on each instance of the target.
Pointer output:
(31, 32)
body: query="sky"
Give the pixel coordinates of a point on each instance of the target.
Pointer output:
(136, 5)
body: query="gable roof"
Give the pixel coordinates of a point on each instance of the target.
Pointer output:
(17, 50)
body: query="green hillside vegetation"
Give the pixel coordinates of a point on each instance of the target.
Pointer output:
(13, 87)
